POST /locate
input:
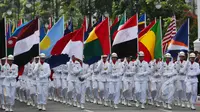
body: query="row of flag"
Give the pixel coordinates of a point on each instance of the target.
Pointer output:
(125, 37)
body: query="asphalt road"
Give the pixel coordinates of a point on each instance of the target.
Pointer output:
(90, 107)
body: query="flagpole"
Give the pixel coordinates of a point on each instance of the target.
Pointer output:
(188, 36)
(161, 36)
(109, 35)
(39, 34)
(5, 38)
(145, 20)
(137, 33)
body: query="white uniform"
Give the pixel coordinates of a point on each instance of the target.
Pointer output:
(28, 71)
(103, 80)
(10, 83)
(169, 77)
(74, 72)
(192, 81)
(2, 77)
(64, 80)
(155, 79)
(81, 84)
(95, 75)
(128, 80)
(43, 72)
(89, 92)
(57, 82)
(141, 79)
(180, 82)
(115, 82)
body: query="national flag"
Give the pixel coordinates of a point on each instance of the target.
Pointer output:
(8, 30)
(75, 45)
(125, 42)
(50, 23)
(91, 28)
(180, 42)
(142, 22)
(2, 39)
(42, 32)
(144, 31)
(171, 32)
(150, 43)
(27, 44)
(13, 27)
(114, 28)
(12, 40)
(98, 42)
(60, 44)
(119, 25)
(56, 32)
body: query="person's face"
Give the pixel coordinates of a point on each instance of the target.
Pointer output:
(128, 59)
(10, 62)
(122, 59)
(192, 59)
(141, 58)
(104, 58)
(198, 56)
(42, 59)
(37, 60)
(167, 59)
(3, 62)
(114, 59)
(182, 57)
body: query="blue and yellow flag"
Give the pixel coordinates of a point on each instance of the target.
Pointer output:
(55, 33)
(142, 22)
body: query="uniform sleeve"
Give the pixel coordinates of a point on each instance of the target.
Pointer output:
(15, 72)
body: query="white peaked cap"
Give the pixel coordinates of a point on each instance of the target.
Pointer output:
(168, 55)
(181, 53)
(192, 55)
(10, 57)
(42, 55)
(141, 53)
(114, 55)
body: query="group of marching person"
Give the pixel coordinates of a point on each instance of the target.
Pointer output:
(107, 82)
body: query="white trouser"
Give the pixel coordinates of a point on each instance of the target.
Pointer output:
(155, 87)
(80, 90)
(42, 88)
(181, 90)
(128, 87)
(103, 87)
(10, 95)
(141, 91)
(191, 91)
(2, 94)
(89, 89)
(71, 90)
(64, 88)
(114, 91)
(95, 89)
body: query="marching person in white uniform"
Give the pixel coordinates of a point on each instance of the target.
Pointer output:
(10, 83)
(28, 71)
(89, 91)
(57, 83)
(128, 81)
(95, 86)
(43, 71)
(81, 85)
(168, 78)
(74, 71)
(2, 77)
(180, 82)
(192, 81)
(155, 80)
(141, 79)
(64, 81)
(114, 81)
(103, 76)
